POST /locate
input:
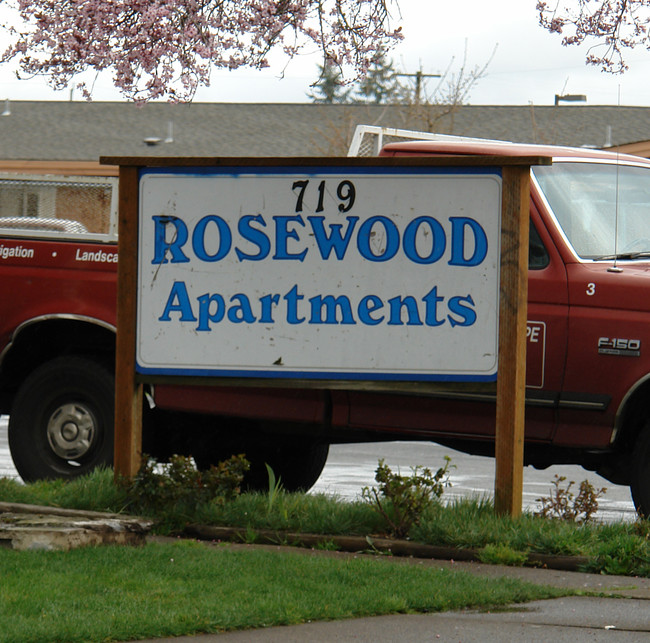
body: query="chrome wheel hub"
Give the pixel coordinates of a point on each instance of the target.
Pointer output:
(71, 431)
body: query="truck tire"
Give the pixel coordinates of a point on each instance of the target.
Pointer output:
(296, 462)
(61, 421)
(640, 485)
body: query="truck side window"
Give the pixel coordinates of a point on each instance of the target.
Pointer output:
(537, 256)
(36, 206)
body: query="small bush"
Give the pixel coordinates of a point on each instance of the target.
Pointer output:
(401, 500)
(562, 504)
(180, 485)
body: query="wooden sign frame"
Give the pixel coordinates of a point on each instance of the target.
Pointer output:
(510, 405)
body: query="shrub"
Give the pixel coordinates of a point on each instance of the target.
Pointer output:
(562, 504)
(180, 485)
(401, 500)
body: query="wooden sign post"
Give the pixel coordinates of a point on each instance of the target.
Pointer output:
(511, 379)
(128, 392)
(138, 359)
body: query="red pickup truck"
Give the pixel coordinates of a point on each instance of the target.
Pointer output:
(588, 377)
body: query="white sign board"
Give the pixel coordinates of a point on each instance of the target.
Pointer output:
(330, 273)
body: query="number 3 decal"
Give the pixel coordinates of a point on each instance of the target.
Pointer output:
(591, 289)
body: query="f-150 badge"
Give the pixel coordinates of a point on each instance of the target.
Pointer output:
(619, 346)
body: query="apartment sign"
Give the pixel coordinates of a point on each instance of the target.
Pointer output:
(335, 273)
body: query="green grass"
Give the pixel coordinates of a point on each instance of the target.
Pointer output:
(122, 593)
(318, 514)
(94, 492)
(473, 524)
(622, 548)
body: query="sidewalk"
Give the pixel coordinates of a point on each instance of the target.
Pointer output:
(621, 615)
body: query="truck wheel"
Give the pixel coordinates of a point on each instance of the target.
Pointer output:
(61, 421)
(640, 485)
(297, 463)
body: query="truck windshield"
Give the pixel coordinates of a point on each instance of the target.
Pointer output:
(603, 211)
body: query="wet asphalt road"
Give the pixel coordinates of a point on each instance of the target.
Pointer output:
(352, 467)
(7, 469)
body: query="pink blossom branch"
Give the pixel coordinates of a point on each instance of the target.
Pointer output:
(168, 48)
(611, 25)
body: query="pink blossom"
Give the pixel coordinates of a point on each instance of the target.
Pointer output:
(610, 26)
(167, 48)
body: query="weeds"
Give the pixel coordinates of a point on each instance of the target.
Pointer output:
(401, 500)
(326, 545)
(642, 529)
(160, 488)
(275, 489)
(500, 554)
(562, 504)
(622, 553)
(372, 549)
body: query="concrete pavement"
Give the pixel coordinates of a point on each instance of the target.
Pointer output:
(620, 615)
(557, 621)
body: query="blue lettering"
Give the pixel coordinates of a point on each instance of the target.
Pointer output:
(174, 246)
(283, 234)
(178, 301)
(292, 298)
(458, 227)
(438, 240)
(335, 241)
(457, 305)
(331, 305)
(365, 234)
(367, 306)
(396, 304)
(205, 315)
(242, 312)
(268, 301)
(198, 239)
(431, 300)
(255, 236)
(324, 309)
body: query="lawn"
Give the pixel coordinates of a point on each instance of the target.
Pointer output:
(124, 593)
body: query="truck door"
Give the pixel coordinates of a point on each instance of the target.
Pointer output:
(601, 213)
(546, 332)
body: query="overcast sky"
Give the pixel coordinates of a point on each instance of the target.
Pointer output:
(529, 65)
